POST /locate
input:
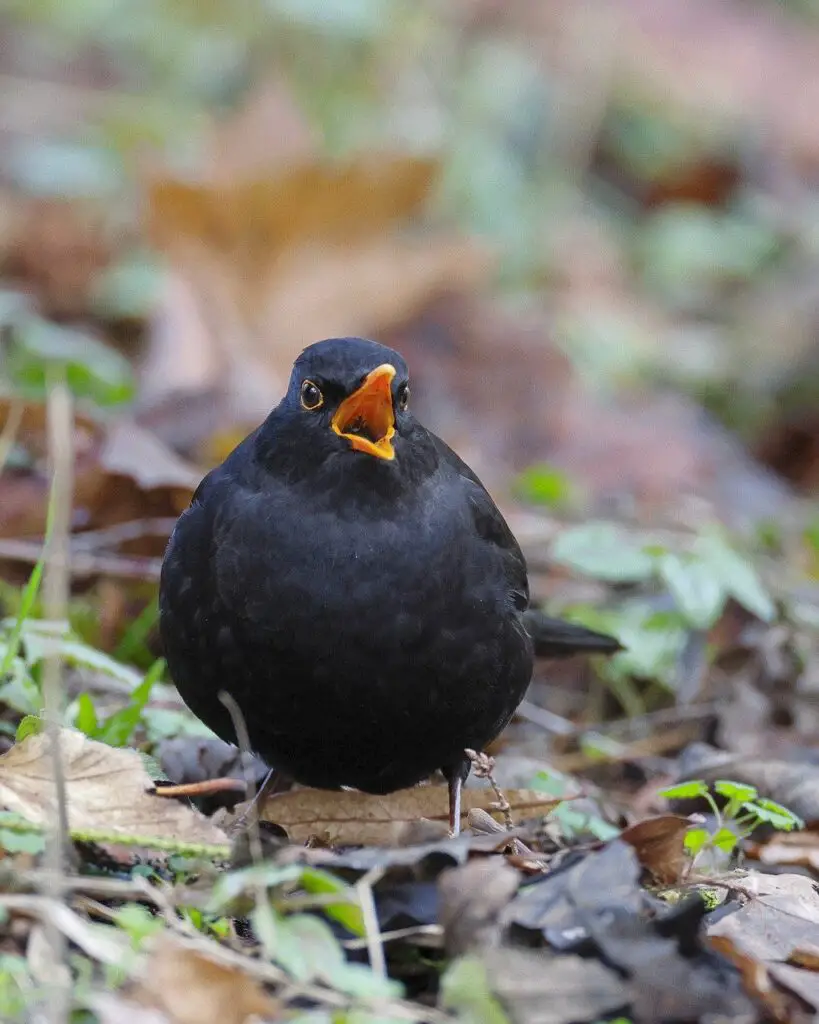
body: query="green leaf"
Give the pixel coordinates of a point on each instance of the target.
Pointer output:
(29, 596)
(119, 727)
(544, 485)
(698, 592)
(348, 910)
(233, 884)
(86, 719)
(774, 814)
(39, 348)
(696, 839)
(25, 839)
(685, 790)
(138, 922)
(736, 793)
(465, 989)
(734, 790)
(600, 550)
(738, 576)
(725, 839)
(30, 725)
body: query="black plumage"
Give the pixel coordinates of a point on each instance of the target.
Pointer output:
(350, 582)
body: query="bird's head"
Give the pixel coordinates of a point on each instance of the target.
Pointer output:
(347, 395)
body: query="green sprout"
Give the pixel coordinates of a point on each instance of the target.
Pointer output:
(743, 812)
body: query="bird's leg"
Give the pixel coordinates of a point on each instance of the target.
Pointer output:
(455, 778)
(274, 782)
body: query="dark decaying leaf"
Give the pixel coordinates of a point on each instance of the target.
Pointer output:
(595, 905)
(538, 988)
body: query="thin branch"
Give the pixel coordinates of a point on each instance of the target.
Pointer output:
(55, 605)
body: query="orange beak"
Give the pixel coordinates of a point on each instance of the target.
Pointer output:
(366, 418)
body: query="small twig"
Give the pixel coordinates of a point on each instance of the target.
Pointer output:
(133, 529)
(10, 429)
(240, 728)
(55, 605)
(84, 563)
(374, 940)
(483, 766)
(412, 932)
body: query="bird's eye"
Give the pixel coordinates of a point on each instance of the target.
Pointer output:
(311, 396)
(403, 395)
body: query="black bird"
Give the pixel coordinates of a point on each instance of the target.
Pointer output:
(347, 579)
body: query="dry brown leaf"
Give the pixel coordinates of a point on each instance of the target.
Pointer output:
(659, 845)
(254, 221)
(806, 956)
(108, 792)
(797, 848)
(262, 268)
(122, 473)
(756, 979)
(350, 817)
(804, 984)
(193, 989)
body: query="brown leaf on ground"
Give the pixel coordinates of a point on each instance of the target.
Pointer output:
(472, 897)
(122, 474)
(800, 849)
(781, 915)
(349, 817)
(804, 984)
(193, 989)
(659, 845)
(263, 266)
(805, 956)
(107, 790)
(756, 978)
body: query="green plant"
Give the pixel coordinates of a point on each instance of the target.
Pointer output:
(743, 811)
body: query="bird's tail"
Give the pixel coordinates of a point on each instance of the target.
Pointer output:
(555, 638)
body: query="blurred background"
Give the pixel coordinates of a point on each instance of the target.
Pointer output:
(591, 227)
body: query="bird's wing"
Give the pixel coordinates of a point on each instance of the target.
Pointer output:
(490, 524)
(552, 638)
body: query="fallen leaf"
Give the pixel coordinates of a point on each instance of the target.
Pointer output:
(262, 267)
(659, 845)
(472, 898)
(540, 988)
(122, 473)
(107, 793)
(364, 819)
(193, 989)
(804, 984)
(780, 916)
(797, 848)
(756, 978)
(806, 956)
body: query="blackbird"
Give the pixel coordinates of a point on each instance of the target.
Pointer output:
(348, 580)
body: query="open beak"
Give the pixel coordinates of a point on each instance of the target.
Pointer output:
(366, 418)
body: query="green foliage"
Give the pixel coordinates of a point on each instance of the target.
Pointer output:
(138, 923)
(743, 811)
(573, 823)
(544, 485)
(119, 727)
(277, 880)
(38, 352)
(17, 835)
(465, 989)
